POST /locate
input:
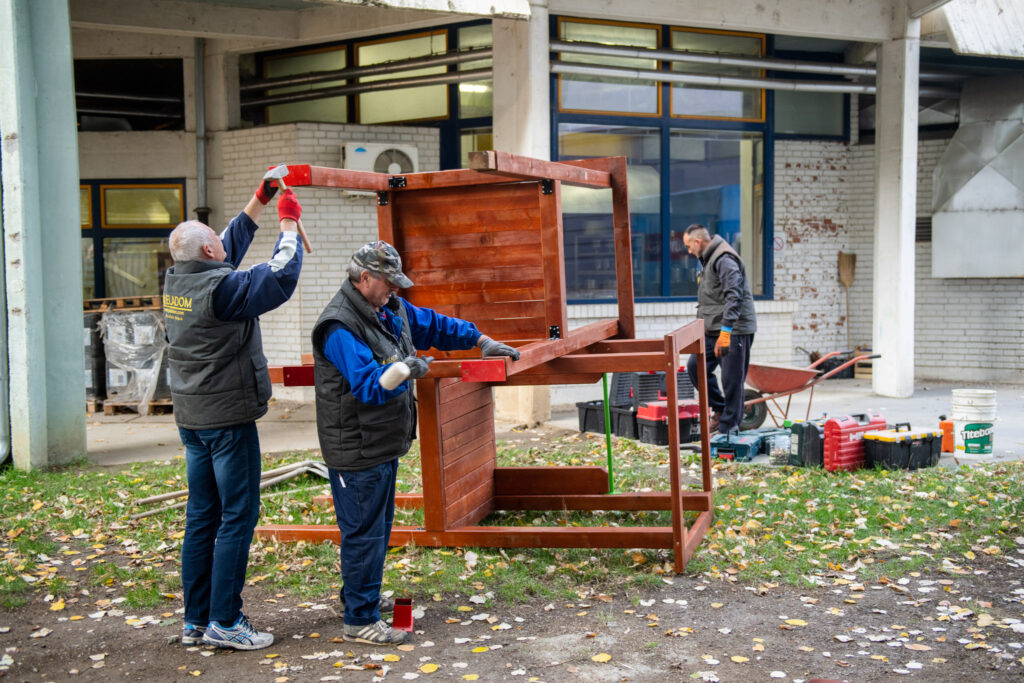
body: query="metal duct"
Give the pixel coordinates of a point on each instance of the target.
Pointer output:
(392, 84)
(712, 80)
(979, 184)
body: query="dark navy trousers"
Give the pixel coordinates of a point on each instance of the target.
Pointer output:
(727, 401)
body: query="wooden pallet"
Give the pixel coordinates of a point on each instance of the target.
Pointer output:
(92, 405)
(157, 407)
(862, 370)
(122, 303)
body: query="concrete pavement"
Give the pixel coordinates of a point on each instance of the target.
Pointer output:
(291, 425)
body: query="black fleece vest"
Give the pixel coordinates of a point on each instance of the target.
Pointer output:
(711, 295)
(355, 435)
(218, 373)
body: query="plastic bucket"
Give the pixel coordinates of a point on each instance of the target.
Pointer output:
(974, 417)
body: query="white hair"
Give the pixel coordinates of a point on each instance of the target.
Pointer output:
(355, 271)
(188, 239)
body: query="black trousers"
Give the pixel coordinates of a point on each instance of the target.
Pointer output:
(727, 401)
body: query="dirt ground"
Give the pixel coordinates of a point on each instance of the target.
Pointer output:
(924, 627)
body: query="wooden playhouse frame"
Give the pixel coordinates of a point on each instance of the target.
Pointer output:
(485, 244)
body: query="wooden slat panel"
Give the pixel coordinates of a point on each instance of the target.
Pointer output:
(514, 481)
(461, 406)
(693, 501)
(467, 210)
(428, 180)
(453, 292)
(458, 388)
(482, 416)
(469, 435)
(512, 255)
(471, 240)
(471, 480)
(537, 380)
(475, 515)
(478, 499)
(463, 460)
(600, 362)
(482, 273)
(498, 310)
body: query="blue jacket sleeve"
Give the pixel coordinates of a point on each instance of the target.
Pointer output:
(355, 362)
(246, 294)
(431, 329)
(237, 237)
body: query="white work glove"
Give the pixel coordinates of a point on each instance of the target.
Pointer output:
(489, 347)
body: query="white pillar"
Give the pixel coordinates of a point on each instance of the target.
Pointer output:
(42, 234)
(522, 77)
(895, 205)
(522, 125)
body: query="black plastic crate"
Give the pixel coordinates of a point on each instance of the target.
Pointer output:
(591, 416)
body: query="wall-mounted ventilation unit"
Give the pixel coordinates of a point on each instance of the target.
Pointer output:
(380, 157)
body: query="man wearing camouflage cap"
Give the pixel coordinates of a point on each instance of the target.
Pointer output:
(364, 428)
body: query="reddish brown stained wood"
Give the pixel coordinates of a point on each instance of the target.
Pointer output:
(543, 351)
(653, 500)
(479, 273)
(465, 423)
(479, 499)
(553, 252)
(276, 374)
(455, 178)
(471, 434)
(307, 359)
(514, 328)
(494, 310)
(531, 380)
(386, 225)
(457, 406)
(511, 255)
(514, 481)
(600, 362)
(321, 176)
(471, 240)
(427, 393)
(460, 462)
(456, 292)
(456, 210)
(492, 536)
(457, 389)
(474, 515)
(626, 346)
(406, 501)
(697, 531)
(623, 247)
(516, 166)
(471, 481)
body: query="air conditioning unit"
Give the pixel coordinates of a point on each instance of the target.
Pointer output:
(380, 157)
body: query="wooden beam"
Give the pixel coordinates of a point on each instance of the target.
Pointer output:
(600, 362)
(519, 481)
(516, 166)
(653, 500)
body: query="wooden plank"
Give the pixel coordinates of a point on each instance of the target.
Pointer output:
(453, 292)
(386, 224)
(514, 328)
(496, 310)
(276, 374)
(471, 240)
(479, 273)
(652, 500)
(599, 362)
(623, 247)
(469, 483)
(513, 255)
(553, 255)
(538, 380)
(321, 176)
(696, 535)
(626, 346)
(460, 462)
(479, 500)
(524, 481)
(544, 351)
(427, 393)
(457, 388)
(516, 166)
(471, 434)
(490, 536)
(465, 404)
(405, 501)
(307, 359)
(474, 515)
(429, 180)
(467, 422)
(461, 210)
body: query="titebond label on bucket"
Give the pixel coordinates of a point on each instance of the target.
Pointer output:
(977, 437)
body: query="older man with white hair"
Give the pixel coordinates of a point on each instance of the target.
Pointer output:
(220, 386)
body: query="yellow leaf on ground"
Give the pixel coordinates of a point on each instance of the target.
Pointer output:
(178, 534)
(739, 659)
(470, 677)
(717, 605)
(796, 622)
(991, 550)
(465, 608)
(601, 657)
(969, 555)
(482, 648)
(392, 658)
(57, 606)
(984, 619)
(428, 668)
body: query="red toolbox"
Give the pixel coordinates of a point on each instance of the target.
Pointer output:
(652, 422)
(844, 440)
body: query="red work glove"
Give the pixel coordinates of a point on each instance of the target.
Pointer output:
(722, 345)
(288, 206)
(266, 191)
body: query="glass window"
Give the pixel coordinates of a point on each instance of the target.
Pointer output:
(88, 269)
(135, 266)
(330, 109)
(85, 206)
(595, 93)
(587, 212)
(142, 206)
(809, 113)
(717, 180)
(474, 140)
(705, 102)
(475, 97)
(406, 104)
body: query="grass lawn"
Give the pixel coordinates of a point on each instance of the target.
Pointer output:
(772, 525)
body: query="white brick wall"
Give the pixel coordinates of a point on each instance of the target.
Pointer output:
(337, 223)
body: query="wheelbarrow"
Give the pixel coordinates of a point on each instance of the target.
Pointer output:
(773, 382)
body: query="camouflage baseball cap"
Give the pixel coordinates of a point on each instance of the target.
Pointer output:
(380, 257)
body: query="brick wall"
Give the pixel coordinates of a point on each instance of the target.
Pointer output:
(337, 223)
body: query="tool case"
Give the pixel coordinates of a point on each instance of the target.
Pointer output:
(844, 440)
(807, 443)
(736, 447)
(652, 422)
(902, 448)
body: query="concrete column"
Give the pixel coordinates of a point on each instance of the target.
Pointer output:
(522, 125)
(895, 208)
(42, 238)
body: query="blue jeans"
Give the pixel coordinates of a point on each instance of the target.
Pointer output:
(365, 508)
(223, 505)
(727, 401)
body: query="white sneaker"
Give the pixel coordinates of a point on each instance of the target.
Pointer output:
(241, 635)
(375, 634)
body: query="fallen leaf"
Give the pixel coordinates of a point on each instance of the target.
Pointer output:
(601, 657)
(739, 659)
(428, 668)
(796, 622)
(57, 606)
(392, 658)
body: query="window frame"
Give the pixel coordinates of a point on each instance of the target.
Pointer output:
(667, 123)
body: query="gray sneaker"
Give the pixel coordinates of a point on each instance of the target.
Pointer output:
(239, 636)
(375, 634)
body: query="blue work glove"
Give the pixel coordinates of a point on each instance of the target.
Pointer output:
(489, 347)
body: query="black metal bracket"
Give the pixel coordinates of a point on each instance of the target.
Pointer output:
(396, 182)
(382, 199)
(547, 186)
(554, 332)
